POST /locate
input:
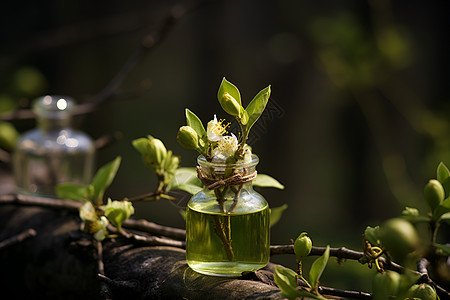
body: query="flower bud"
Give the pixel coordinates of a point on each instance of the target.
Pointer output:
(157, 152)
(302, 246)
(118, 211)
(422, 291)
(171, 162)
(434, 193)
(230, 105)
(187, 137)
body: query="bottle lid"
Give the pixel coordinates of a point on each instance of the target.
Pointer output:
(53, 106)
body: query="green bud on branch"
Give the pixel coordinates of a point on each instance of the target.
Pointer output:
(434, 193)
(152, 150)
(157, 151)
(230, 105)
(187, 137)
(117, 212)
(302, 246)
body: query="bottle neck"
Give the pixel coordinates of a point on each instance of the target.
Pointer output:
(46, 123)
(53, 112)
(216, 175)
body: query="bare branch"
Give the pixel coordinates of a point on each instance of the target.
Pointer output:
(40, 201)
(108, 139)
(153, 228)
(18, 238)
(344, 293)
(157, 241)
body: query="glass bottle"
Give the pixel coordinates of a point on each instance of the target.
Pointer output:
(52, 153)
(227, 229)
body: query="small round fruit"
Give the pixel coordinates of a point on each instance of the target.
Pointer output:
(399, 237)
(385, 285)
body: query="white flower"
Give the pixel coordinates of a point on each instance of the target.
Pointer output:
(92, 223)
(215, 130)
(226, 146)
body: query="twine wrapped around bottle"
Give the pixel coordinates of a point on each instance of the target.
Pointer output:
(236, 179)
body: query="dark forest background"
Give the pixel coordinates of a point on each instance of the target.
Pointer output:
(358, 118)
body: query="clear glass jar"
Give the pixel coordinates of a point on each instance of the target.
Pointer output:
(52, 153)
(227, 229)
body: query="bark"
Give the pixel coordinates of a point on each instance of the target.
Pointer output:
(61, 262)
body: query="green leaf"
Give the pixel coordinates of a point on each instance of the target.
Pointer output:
(184, 176)
(443, 248)
(446, 185)
(190, 188)
(372, 234)
(256, 107)
(442, 172)
(72, 191)
(442, 209)
(263, 180)
(141, 145)
(195, 123)
(185, 179)
(228, 87)
(103, 179)
(445, 217)
(286, 279)
(275, 214)
(317, 268)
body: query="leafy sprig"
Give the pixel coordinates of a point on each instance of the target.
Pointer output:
(287, 279)
(95, 216)
(194, 136)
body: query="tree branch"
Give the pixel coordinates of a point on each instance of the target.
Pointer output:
(18, 238)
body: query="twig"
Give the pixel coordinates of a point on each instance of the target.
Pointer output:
(422, 266)
(104, 288)
(157, 241)
(142, 225)
(106, 140)
(17, 238)
(100, 264)
(344, 293)
(40, 201)
(153, 228)
(144, 196)
(342, 253)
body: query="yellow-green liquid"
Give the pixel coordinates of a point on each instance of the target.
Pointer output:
(207, 248)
